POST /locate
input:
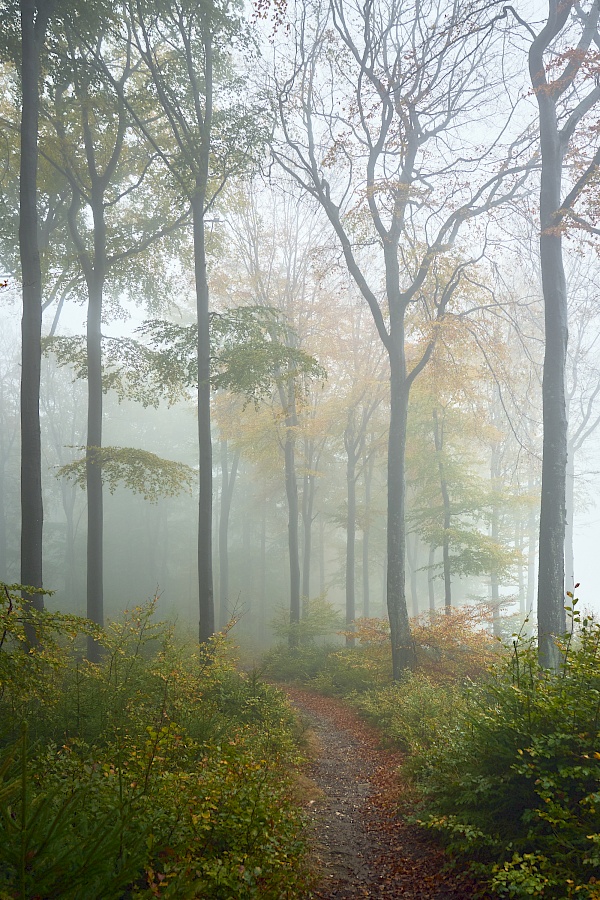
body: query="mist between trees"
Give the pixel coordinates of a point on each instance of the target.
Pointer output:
(355, 236)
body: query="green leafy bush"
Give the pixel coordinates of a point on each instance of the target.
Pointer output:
(517, 786)
(415, 713)
(160, 772)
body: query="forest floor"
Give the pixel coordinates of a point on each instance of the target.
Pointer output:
(357, 802)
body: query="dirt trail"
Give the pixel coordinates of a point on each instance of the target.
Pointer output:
(363, 847)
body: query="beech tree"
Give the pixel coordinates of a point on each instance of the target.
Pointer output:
(375, 108)
(560, 57)
(278, 265)
(583, 387)
(206, 134)
(35, 16)
(105, 166)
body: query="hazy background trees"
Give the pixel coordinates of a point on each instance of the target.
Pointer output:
(361, 193)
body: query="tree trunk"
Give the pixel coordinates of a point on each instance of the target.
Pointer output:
(368, 474)
(551, 579)
(34, 19)
(288, 404)
(68, 493)
(494, 585)
(205, 574)
(520, 545)
(93, 462)
(430, 584)
(93, 467)
(412, 556)
(350, 537)
(495, 536)
(401, 641)
(3, 542)
(532, 536)
(263, 575)
(308, 501)
(227, 487)
(321, 555)
(570, 513)
(438, 435)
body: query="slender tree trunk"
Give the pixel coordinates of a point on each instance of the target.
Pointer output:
(93, 461)
(308, 501)
(551, 579)
(321, 555)
(288, 404)
(249, 557)
(438, 434)
(494, 584)
(532, 536)
(227, 487)
(34, 19)
(95, 512)
(350, 538)
(263, 575)
(3, 542)
(570, 513)
(520, 545)
(401, 641)
(68, 503)
(205, 573)
(430, 584)
(495, 536)
(291, 490)
(412, 556)
(368, 476)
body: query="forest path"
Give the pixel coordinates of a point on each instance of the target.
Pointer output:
(362, 844)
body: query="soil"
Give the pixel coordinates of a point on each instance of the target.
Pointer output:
(357, 802)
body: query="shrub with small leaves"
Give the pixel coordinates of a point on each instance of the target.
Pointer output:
(519, 791)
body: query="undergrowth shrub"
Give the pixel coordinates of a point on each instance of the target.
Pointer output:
(450, 646)
(516, 789)
(161, 772)
(414, 713)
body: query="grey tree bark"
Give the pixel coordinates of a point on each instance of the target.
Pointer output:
(555, 138)
(438, 436)
(35, 15)
(228, 477)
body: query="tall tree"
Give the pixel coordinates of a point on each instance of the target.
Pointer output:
(206, 134)
(372, 92)
(560, 56)
(279, 271)
(35, 16)
(105, 167)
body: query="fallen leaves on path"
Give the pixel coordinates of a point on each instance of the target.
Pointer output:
(363, 844)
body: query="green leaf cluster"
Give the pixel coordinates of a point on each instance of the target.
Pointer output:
(140, 471)
(253, 350)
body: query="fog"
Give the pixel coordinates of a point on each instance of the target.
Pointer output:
(310, 498)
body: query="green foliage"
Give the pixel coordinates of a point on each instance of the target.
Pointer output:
(142, 472)
(130, 368)
(450, 648)
(252, 350)
(51, 845)
(414, 712)
(314, 643)
(319, 620)
(33, 644)
(159, 772)
(514, 782)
